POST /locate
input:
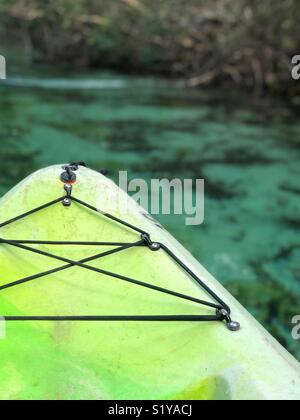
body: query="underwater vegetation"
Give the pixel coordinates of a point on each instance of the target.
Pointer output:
(16, 162)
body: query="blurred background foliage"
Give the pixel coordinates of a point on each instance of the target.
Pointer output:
(245, 42)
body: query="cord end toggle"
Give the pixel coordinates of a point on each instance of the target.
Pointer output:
(225, 316)
(154, 246)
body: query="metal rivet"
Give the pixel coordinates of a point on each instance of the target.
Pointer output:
(66, 202)
(234, 326)
(154, 246)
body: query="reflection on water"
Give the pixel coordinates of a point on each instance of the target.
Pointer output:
(249, 157)
(65, 84)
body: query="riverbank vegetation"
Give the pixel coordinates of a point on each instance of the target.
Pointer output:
(248, 43)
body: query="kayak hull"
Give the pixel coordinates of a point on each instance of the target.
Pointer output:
(119, 360)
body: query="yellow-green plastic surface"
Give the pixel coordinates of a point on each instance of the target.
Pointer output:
(120, 360)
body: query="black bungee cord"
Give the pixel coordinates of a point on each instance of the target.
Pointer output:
(68, 177)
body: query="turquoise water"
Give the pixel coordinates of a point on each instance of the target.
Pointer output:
(247, 153)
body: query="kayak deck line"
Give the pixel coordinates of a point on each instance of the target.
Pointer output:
(97, 270)
(116, 318)
(68, 177)
(33, 242)
(29, 213)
